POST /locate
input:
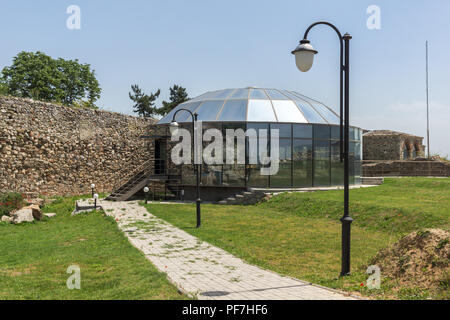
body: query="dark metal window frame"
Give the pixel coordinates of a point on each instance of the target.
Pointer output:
(245, 125)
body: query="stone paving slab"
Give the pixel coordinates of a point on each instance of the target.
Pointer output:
(202, 270)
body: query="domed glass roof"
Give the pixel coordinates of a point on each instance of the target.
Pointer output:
(254, 105)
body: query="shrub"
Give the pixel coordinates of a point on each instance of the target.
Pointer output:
(10, 201)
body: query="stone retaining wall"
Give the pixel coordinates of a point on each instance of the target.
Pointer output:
(49, 149)
(406, 168)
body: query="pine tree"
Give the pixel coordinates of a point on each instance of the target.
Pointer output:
(178, 95)
(144, 105)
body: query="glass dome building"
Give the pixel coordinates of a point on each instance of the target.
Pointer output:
(308, 144)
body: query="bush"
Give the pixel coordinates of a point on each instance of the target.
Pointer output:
(10, 201)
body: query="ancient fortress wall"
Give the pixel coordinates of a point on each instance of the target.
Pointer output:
(49, 149)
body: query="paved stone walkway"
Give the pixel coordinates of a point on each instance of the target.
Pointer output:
(200, 269)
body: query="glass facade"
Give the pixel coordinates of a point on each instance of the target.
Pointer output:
(309, 157)
(254, 105)
(309, 147)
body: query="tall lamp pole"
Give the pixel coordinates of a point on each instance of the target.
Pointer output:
(304, 57)
(173, 130)
(428, 108)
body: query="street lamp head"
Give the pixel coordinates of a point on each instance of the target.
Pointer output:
(96, 196)
(304, 55)
(174, 127)
(92, 186)
(146, 189)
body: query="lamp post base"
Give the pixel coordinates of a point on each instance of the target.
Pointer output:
(346, 229)
(198, 201)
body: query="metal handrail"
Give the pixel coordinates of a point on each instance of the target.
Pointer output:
(121, 180)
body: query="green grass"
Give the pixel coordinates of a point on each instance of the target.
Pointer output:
(35, 257)
(298, 234)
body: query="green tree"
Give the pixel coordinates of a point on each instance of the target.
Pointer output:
(38, 76)
(144, 105)
(178, 95)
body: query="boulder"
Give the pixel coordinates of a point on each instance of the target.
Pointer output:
(6, 219)
(36, 211)
(22, 215)
(27, 214)
(50, 215)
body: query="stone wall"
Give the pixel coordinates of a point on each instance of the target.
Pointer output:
(391, 145)
(406, 168)
(49, 149)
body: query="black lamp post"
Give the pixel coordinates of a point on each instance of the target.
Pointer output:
(95, 201)
(173, 129)
(146, 190)
(304, 57)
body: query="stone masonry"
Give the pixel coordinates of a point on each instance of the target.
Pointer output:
(406, 168)
(391, 145)
(50, 149)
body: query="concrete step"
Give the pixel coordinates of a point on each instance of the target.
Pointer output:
(374, 181)
(246, 197)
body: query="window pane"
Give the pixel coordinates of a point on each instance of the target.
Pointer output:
(302, 131)
(289, 94)
(206, 95)
(357, 151)
(284, 130)
(357, 172)
(234, 110)
(258, 94)
(223, 94)
(260, 110)
(321, 132)
(275, 94)
(283, 176)
(258, 126)
(211, 175)
(188, 174)
(254, 177)
(209, 109)
(321, 163)
(252, 144)
(240, 94)
(354, 133)
(287, 111)
(337, 167)
(234, 175)
(285, 150)
(302, 162)
(311, 115)
(335, 132)
(330, 116)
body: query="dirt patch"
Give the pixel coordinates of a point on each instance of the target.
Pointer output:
(69, 243)
(17, 272)
(418, 260)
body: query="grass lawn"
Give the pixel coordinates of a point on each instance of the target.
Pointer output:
(298, 234)
(34, 258)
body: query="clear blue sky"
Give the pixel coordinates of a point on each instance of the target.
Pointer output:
(207, 45)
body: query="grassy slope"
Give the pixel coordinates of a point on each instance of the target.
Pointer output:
(298, 234)
(34, 258)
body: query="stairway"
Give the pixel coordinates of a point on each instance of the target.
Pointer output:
(246, 197)
(133, 185)
(128, 183)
